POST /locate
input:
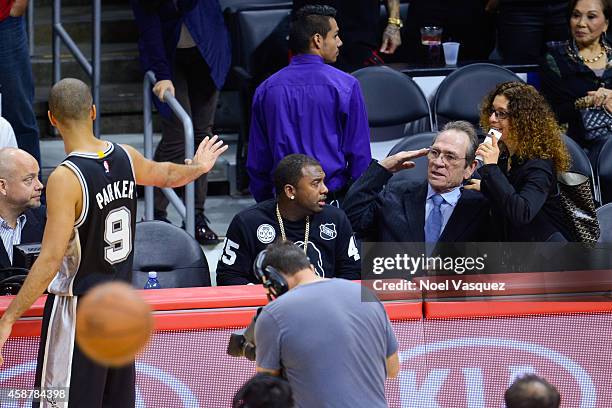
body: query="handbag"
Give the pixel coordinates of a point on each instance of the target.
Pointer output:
(597, 123)
(578, 206)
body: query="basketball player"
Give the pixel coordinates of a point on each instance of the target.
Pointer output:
(91, 204)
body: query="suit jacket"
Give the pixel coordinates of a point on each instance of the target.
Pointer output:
(525, 200)
(32, 231)
(396, 213)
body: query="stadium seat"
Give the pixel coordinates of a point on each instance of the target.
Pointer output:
(171, 252)
(604, 173)
(228, 4)
(604, 216)
(419, 172)
(581, 164)
(460, 94)
(392, 100)
(258, 31)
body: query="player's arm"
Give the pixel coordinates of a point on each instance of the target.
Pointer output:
(393, 365)
(63, 204)
(166, 174)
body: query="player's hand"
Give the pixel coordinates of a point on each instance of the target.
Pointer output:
(208, 152)
(5, 332)
(402, 160)
(18, 8)
(161, 87)
(489, 152)
(472, 184)
(391, 39)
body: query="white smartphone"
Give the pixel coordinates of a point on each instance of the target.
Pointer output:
(491, 133)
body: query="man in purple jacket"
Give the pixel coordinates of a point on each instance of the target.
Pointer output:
(310, 108)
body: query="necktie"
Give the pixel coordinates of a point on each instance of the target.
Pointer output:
(433, 226)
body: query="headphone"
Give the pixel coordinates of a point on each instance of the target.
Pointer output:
(274, 282)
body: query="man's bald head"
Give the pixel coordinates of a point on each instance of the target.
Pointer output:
(70, 100)
(20, 187)
(12, 159)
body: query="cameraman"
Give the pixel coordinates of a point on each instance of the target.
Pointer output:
(331, 337)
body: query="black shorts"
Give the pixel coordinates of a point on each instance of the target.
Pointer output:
(61, 363)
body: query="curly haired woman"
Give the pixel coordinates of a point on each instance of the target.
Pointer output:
(521, 182)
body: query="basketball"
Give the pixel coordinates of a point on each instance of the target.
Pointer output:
(113, 324)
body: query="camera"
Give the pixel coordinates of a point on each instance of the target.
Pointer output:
(242, 342)
(24, 255)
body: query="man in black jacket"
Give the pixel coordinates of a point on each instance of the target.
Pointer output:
(298, 214)
(22, 219)
(438, 210)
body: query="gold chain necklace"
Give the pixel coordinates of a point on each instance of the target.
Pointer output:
(594, 59)
(282, 229)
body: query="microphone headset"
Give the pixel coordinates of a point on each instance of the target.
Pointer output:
(274, 282)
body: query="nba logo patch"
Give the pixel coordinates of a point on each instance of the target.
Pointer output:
(328, 231)
(106, 167)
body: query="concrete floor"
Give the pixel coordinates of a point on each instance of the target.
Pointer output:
(219, 209)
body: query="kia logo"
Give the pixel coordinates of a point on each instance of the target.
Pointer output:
(413, 395)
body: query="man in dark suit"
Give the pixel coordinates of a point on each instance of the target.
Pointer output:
(22, 219)
(438, 210)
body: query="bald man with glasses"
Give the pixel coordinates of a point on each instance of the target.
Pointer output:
(436, 210)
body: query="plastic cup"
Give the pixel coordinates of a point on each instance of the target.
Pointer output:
(451, 52)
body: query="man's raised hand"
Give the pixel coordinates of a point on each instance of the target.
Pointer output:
(402, 160)
(208, 151)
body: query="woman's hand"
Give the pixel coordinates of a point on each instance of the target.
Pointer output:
(601, 97)
(489, 152)
(472, 184)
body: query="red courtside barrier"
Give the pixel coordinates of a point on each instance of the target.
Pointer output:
(453, 353)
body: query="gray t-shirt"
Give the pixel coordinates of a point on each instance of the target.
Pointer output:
(332, 345)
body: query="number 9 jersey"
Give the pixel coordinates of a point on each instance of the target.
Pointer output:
(101, 246)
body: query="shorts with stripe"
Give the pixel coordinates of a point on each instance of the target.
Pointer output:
(61, 363)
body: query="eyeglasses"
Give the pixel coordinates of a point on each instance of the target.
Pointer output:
(448, 158)
(499, 115)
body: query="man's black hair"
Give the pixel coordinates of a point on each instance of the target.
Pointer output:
(264, 391)
(531, 391)
(286, 257)
(308, 21)
(289, 170)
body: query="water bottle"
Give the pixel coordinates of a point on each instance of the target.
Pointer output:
(152, 282)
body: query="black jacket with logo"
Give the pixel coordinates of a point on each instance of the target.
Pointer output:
(331, 245)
